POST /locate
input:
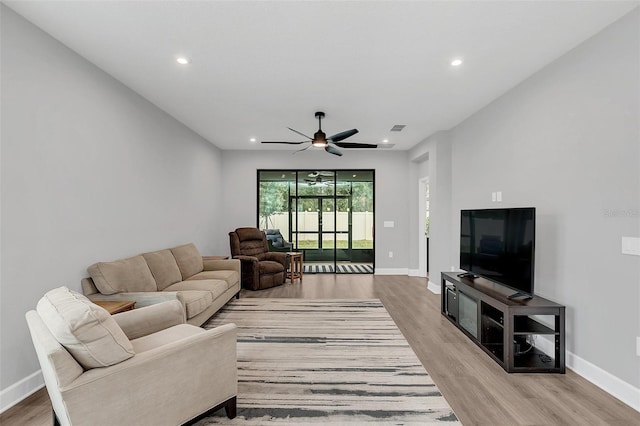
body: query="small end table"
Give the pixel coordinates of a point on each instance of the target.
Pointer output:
(294, 271)
(115, 307)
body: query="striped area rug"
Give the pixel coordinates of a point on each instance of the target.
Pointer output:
(351, 268)
(304, 361)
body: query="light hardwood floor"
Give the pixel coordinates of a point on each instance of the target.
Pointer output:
(477, 389)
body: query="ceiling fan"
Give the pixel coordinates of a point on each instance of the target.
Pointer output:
(321, 140)
(319, 177)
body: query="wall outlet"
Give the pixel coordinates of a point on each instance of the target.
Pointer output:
(390, 254)
(494, 197)
(499, 196)
(453, 268)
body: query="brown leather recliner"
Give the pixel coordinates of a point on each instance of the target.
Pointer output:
(260, 268)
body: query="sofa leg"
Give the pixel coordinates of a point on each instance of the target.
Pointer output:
(238, 295)
(55, 418)
(230, 408)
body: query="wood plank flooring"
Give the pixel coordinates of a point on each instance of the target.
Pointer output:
(477, 389)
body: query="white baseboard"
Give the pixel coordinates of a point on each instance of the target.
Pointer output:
(606, 381)
(20, 390)
(414, 273)
(391, 271)
(434, 288)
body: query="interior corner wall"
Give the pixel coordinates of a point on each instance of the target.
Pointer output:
(391, 192)
(90, 171)
(566, 141)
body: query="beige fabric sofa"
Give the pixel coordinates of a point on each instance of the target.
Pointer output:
(136, 367)
(203, 285)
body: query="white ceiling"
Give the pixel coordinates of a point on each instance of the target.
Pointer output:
(258, 67)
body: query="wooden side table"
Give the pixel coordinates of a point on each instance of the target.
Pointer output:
(115, 307)
(294, 271)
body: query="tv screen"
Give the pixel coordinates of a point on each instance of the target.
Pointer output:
(498, 244)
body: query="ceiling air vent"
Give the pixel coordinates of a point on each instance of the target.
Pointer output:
(398, 127)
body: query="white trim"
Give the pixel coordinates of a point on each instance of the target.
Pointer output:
(606, 381)
(434, 288)
(20, 390)
(422, 239)
(416, 273)
(391, 271)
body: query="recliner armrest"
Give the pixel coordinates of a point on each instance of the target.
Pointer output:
(243, 258)
(277, 257)
(150, 319)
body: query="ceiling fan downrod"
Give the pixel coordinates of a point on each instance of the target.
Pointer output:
(319, 138)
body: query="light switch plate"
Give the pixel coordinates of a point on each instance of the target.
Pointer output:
(631, 245)
(389, 224)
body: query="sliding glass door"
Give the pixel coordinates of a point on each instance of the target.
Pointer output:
(326, 214)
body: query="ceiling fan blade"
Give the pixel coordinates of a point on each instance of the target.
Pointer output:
(342, 135)
(320, 173)
(301, 134)
(303, 149)
(355, 145)
(287, 143)
(332, 150)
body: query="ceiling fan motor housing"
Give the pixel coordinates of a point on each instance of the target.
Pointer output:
(319, 139)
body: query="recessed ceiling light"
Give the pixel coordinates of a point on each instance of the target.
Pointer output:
(456, 62)
(182, 60)
(252, 140)
(385, 140)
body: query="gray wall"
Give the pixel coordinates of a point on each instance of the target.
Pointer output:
(391, 203)
(90, 171)
(566, 141)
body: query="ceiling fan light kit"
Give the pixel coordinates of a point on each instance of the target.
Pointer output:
(320, 139)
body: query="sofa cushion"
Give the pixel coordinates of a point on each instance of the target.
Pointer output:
(125, 275)
(230, 277)
(215, 287)
(85, 329)
(164, 268)
(188, 259)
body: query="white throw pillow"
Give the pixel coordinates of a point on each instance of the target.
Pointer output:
(85, 329)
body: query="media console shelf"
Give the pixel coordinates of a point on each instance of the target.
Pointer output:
(523, 336)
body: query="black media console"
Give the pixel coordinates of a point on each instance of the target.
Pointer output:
(523, 336)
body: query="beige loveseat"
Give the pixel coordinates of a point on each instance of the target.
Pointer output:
(203, 285)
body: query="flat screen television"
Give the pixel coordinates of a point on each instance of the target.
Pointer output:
(499, 245)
